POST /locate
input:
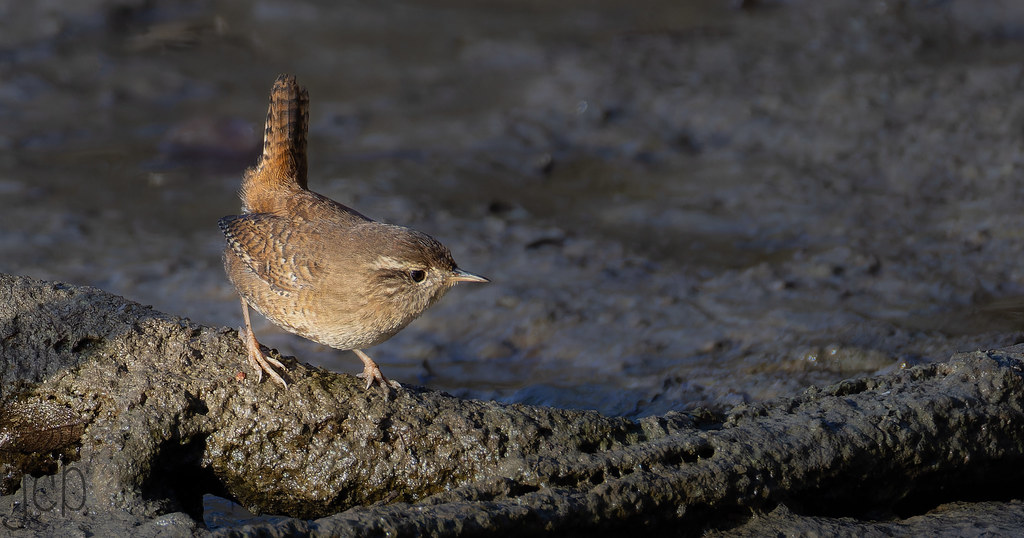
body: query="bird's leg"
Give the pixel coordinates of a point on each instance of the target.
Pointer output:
(372, 373)
(257, 359)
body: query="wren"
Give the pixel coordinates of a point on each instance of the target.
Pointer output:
(317, 268)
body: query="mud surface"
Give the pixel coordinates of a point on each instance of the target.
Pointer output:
(678, 206)
(163, 420)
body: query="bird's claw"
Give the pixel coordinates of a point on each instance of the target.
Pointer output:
(372, 374)
(259, 360)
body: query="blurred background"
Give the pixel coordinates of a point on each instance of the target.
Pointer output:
(678, 203)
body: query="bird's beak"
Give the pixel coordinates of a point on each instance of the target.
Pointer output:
(458, 275)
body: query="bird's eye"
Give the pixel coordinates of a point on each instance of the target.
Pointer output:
(417, 275)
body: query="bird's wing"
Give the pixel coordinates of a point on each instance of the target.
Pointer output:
(276, 249)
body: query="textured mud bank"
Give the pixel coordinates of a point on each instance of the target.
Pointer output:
(151, 415)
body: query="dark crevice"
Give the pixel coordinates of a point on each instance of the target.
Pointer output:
(179, 478)
(85, 344)
(991, 483)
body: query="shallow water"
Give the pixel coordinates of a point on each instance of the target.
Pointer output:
(677, 206)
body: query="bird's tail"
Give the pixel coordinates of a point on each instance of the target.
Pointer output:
(283, 163)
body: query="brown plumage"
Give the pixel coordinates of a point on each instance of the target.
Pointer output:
(316, 267)
(282, 167)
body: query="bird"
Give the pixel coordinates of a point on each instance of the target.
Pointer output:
(317, 268)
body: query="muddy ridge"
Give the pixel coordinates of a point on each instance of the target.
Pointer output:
(164, 419)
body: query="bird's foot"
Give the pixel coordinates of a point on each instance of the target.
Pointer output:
(371, 372)
(259, 361)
